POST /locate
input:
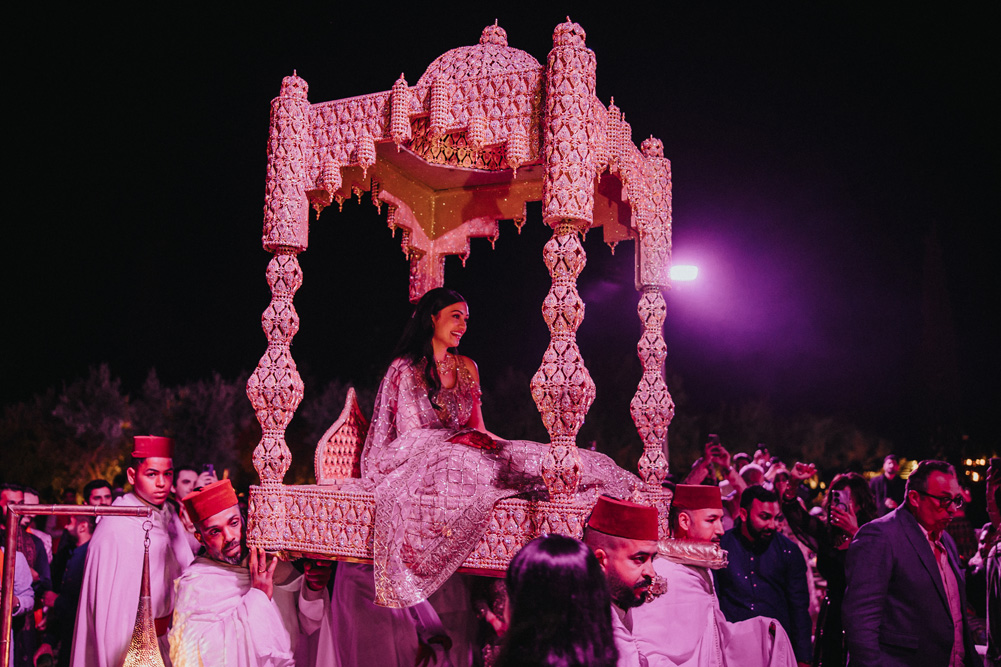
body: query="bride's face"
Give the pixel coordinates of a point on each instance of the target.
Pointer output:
(450, 324)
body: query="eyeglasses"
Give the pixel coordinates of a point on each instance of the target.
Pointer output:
(945, 501)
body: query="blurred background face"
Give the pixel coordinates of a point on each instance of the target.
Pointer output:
(99, 496)
(29, 499)
(890, 467)
(184, 483)
(8, 496)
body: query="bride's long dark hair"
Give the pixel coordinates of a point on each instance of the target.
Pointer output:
(415, 342)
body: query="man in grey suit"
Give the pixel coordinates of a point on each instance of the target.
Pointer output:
(905, 596)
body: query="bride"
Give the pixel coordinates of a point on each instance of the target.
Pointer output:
(435, 469)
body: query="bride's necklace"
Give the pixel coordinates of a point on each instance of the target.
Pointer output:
(445, 365)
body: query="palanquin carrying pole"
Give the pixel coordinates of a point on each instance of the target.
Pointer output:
(486, 129)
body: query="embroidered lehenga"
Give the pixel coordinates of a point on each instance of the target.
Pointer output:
(433, 497)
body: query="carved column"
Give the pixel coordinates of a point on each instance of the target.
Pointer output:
(570, 157)
(652, 407)
(275, 388)
(562, 387)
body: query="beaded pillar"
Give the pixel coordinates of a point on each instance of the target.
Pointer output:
(562, 388)
(652, 407)
(275, 388)
(570, 156)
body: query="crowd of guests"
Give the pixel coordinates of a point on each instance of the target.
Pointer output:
(738, 583)
(756, 574)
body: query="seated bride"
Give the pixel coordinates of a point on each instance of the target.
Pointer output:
(435, 470)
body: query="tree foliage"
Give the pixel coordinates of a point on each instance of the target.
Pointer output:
(66, 437)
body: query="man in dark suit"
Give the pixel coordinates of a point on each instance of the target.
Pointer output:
(905, 596)
(888, 487)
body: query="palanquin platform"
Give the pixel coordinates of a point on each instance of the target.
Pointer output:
(486, 129)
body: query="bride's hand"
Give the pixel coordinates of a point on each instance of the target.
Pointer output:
(474, 439)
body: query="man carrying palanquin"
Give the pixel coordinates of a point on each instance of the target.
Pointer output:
(235, 608)
(623, 537)
(683, 626)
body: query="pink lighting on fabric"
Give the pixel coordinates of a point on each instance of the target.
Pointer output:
(684, 272)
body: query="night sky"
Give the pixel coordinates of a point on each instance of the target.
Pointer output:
(834, 172)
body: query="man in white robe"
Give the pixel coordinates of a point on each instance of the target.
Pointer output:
(683, 625)
(109, 596)
(239, 614)
(623, 537)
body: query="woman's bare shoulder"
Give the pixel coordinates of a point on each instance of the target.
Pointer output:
(470, 366)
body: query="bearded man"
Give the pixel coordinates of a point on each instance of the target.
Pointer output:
(233, 607)
(683, 625)
(623, 537)
(106, 614)
(766, 572)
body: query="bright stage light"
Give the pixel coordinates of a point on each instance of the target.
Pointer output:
(684, 272)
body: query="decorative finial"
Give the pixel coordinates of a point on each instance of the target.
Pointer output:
(294, 86)
(494, 34)
(652, 147)
(569, 34)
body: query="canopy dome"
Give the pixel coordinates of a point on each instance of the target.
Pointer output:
(492, 56)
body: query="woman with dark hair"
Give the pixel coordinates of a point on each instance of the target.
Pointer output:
(849, 505)
(435, 470)
(559, 607)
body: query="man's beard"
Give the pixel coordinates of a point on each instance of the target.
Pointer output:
(759, 536)
(231, 560)
(625, 596)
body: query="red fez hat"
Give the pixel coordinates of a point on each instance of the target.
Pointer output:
(211, 500)
(622, 518)
(153, 446)
(697, 497)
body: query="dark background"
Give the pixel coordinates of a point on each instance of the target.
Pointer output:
(835, 170)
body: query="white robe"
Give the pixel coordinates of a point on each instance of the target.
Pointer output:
(625, 642)
(219, 619)
(109, 595)
(684, 627)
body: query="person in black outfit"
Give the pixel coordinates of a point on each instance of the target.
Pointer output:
(888, 488)
(848, 506)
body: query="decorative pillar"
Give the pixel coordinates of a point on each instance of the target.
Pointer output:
(652, 407)
(275, 388)
(570, 157)
(562, 388)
